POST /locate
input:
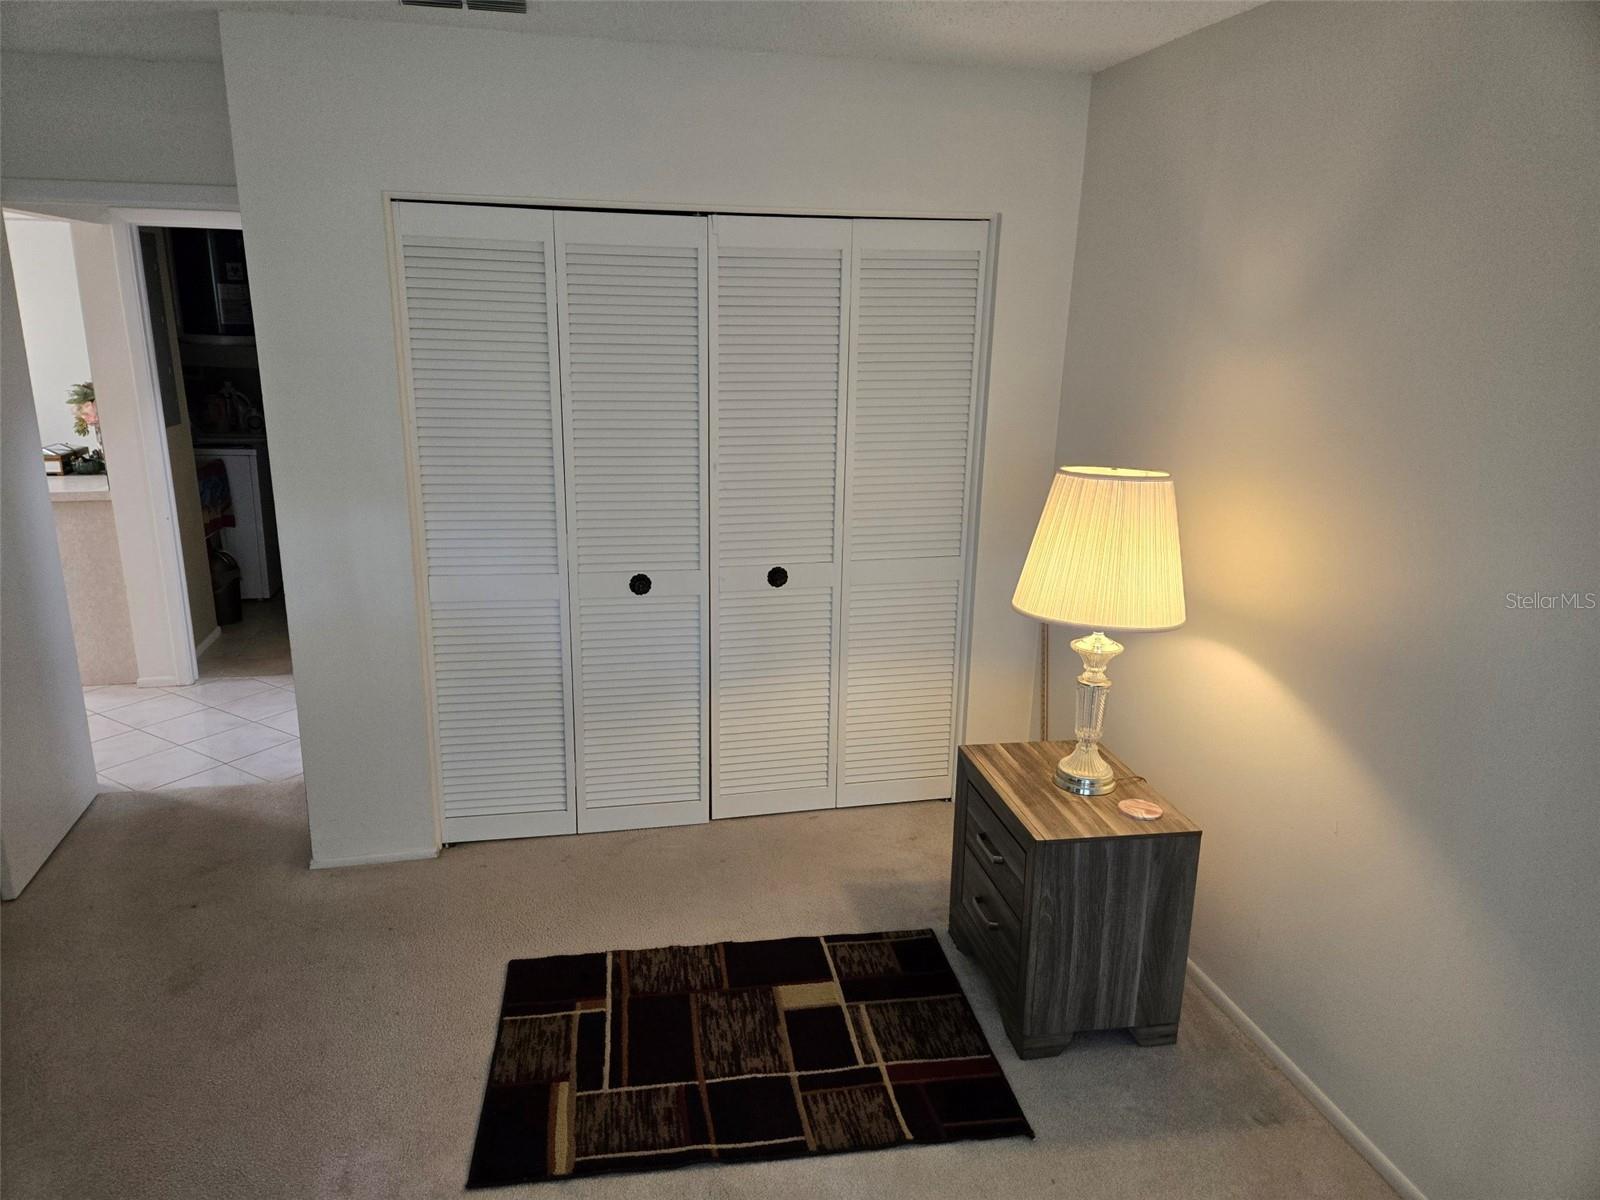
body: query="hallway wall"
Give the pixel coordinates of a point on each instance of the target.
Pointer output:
(47, 769)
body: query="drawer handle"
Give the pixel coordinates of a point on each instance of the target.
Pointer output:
(777, 577)
(639, 584)
(995, 857)
(989, 922)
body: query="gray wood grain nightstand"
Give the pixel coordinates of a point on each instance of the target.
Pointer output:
(1078, 914)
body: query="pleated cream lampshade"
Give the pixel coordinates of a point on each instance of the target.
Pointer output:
(1105, 555)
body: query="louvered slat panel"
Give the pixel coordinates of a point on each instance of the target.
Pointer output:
(482, 403)
(640, 725)
(634, 393)
(501, 696)
(478, 293)
(918, 295)
(778, 361)
(780, 316)
(774, 692)
(900, 693)
(632, 299)
(915, 355)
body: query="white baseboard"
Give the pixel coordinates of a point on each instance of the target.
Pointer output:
(1364, 1145)
(158, 681)
(367, 860)
(208, 641)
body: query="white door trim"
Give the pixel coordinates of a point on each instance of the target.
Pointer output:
(706, 208)
(117, 326)
(117, 331)
(975, 460)
(75, 198)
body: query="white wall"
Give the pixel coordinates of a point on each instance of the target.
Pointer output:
(1339, 270)
(328, 113)
(47, 765)
(52, 320)
(122, 120)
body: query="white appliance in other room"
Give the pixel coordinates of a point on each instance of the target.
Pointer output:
(253, 538)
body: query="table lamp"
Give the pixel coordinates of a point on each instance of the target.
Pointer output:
(1105, 557)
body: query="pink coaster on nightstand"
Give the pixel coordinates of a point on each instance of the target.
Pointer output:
(1140, 810)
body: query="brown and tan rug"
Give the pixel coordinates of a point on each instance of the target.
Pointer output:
(638, 1060)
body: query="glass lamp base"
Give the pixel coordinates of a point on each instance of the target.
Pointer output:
(1083, 785)
(1084, 772)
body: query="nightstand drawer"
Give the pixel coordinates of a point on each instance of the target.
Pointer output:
(997, 852)
(993, 923)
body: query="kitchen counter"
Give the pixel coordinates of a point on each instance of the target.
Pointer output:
(79, 487)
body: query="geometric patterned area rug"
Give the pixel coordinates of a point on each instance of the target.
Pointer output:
(639, 1060)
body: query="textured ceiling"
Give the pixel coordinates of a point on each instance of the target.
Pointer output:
(1077, 36)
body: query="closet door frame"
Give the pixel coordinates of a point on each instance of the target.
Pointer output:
(420, 213)
(560, 204)
(588, 225)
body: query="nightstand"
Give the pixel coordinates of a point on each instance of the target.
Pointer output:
(1078, 914)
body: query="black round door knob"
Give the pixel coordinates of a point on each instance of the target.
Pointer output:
(777, 577)
(639, 584)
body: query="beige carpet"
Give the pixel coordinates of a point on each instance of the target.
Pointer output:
(189, 1012)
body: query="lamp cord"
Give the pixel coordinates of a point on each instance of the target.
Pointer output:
(1044, 682)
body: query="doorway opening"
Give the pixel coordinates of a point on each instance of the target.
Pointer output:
(239, 722)
(203, 338)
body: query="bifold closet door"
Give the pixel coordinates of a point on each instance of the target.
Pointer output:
(478, 341)
(917, 313)
(632, 305)
(780, 310)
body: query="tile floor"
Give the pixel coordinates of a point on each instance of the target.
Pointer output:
(239, 724)
(222, 730)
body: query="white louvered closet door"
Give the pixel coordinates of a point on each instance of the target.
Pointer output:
(918, 296)
(780, 310)
(478, 336)
(633, 365)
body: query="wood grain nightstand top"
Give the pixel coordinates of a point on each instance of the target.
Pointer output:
(1023, 777)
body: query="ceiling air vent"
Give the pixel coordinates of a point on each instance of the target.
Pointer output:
(511, 6)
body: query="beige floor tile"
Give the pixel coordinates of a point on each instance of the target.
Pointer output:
(105, 699)
(158, 708)
(159, 769)
(220, 775)
(102, 727)
(190, 726)
(233, 744)
(280, 762)
(288, 722)
(125, 747)
(218, 691)
(267, 703)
